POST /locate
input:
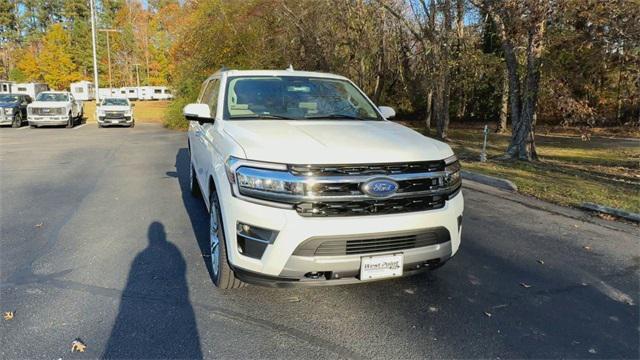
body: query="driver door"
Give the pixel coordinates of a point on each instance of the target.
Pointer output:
(202, 156)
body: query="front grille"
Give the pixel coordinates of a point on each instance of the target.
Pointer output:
(351, 190)
(368, 245)
(47, 111)
(367, 169)
(114, 114)
(371, 207)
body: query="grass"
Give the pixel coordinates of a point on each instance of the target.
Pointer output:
(570, 171)
(144, 111)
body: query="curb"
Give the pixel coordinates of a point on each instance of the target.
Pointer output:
(490, 180)
(612, 211)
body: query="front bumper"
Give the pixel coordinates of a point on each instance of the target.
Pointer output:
(124, 120)
(48, 120)
(5, 119)
(282, 263)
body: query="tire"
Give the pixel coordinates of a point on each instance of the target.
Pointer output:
(193, 184)
(17, 121)
(33, 126)
(132, 124)
(70, 122)
(221, 273)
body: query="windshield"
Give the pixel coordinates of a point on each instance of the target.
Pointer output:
(116, 102)
(295, 97)
(52, 97)
(4, 98)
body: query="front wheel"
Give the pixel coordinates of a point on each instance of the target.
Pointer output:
(17, 121)
(223, 276)
(70, 121)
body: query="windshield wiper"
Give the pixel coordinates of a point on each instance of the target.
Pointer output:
(261, 116)
(336, 116)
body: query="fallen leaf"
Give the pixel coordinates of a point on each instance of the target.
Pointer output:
(587, 247)
(541, 262)
(525, 285)
(39, 225)
(293, 299)
(8, 315)
(592, 351)
(409, 291)
(433, 309)
(78, 345)
(487, 313)
(584, 284)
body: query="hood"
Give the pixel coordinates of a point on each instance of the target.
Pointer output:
(114, 108)
(333, 142)
(49, 104)
(9, 105)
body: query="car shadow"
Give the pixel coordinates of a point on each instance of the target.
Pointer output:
(198, 214)
(156, 317)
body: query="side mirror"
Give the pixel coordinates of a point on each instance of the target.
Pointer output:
(387, 112)
(198, 112)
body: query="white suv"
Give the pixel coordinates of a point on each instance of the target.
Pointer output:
(308, 183)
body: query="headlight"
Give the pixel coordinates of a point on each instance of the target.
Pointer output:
(266, 181)
(452, 177)
(59, 111)
(8, 111)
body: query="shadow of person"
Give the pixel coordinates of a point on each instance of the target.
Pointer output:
(155, 319)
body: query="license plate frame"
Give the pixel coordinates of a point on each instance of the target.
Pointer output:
(385, 266)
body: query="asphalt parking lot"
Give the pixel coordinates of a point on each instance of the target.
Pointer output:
(100, 240)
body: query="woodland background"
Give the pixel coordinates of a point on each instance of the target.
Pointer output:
(512, 63)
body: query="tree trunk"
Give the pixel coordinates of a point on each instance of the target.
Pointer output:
(429, 111)
(504, 105)
(444, 83)
(523, 141)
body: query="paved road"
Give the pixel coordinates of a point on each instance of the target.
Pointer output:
(118, 261)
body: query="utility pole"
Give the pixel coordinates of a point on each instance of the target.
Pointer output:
(137, 75)
(95, 56)
(109, 53)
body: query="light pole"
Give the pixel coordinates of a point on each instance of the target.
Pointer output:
(95, 57)
(109, 53)
(137, 75)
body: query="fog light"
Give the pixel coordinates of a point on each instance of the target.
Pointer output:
(253, 240)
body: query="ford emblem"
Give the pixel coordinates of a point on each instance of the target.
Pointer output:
(380, 187)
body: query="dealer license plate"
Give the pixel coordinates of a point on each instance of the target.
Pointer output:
(381, 266)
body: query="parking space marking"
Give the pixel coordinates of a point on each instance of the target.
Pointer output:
(79, 126)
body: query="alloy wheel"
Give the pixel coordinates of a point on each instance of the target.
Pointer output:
(214, 240)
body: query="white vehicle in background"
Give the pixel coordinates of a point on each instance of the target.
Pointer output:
(83, 90)
(31, 89)
(115, 111)
(55, 108)
(308, 183)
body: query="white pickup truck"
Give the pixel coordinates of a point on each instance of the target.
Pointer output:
(308, 183)
(55, 108)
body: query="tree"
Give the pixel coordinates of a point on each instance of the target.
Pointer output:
(521, 22)
(28, 65)
(56, 65)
